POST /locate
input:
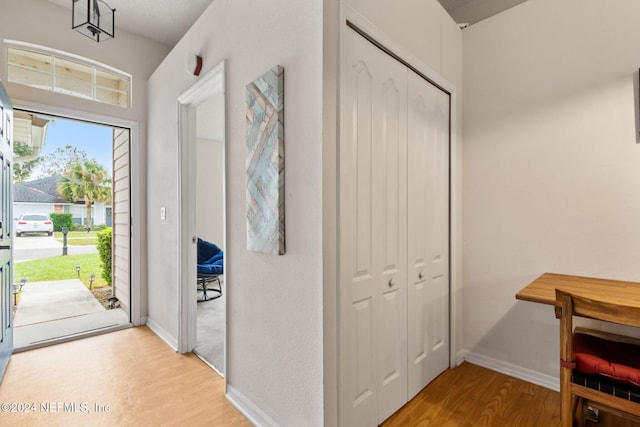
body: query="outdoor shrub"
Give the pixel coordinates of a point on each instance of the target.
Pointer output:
(104, 249)
(61, 220)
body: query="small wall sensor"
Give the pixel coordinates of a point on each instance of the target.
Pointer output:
(194, 64)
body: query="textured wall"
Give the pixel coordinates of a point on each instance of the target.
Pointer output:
(274, 316)
(43, 23)
(551, 165)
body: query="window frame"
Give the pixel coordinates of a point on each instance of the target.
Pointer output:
(94, 66)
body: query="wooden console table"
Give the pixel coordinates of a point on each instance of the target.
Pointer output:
(624, 294)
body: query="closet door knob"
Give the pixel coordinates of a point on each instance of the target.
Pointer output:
(391, 283)
(420, 275)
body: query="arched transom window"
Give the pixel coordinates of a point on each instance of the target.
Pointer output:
(72, 75)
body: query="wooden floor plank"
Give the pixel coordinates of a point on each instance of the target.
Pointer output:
(145, 383)
(473, 396)
(141, 379)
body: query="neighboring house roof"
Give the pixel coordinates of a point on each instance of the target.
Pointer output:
(44, 190)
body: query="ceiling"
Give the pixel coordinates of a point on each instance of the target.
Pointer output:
(164, 21)
(472, 11)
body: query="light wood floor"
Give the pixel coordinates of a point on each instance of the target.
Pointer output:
(473, 396)
(145, 383)
(142, 380)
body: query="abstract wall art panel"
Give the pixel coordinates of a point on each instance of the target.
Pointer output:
(265, 163)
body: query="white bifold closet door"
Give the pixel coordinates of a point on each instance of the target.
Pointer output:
(393, 220)
(373, 232)
(428, 237)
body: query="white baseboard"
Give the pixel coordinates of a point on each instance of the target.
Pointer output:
(143, 321)
(515, 371)
(254, 414)
(162, 333)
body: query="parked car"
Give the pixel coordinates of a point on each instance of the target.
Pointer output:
(34, 223)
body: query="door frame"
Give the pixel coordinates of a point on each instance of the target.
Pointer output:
(137, 252)
(211, 84)
(456, 356)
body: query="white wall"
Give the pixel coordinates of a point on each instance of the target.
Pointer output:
(43, 23)
(20, 208)
(551, 165)
(98, 213)
(210, 170)
(210, 190)
(421, 27)
(274, 340)
(424, 31)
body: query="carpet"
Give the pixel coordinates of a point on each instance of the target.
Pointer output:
(210, 332)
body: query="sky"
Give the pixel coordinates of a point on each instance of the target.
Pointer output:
(95, 140)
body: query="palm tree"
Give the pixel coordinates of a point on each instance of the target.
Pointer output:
(86, 180)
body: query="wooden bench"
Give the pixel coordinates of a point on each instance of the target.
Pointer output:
(578, 390)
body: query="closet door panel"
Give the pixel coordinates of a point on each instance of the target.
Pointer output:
(390, 212)
(428, 238)
(438, 245)
(373, 234)
(357, 273)
(419, 129)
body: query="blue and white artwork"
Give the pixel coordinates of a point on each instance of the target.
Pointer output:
(265, 163)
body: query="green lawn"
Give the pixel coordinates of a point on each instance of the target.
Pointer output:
(78, 238)
(60, 268)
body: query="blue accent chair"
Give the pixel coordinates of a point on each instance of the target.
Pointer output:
(210, 267)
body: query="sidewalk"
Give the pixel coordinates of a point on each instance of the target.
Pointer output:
(31, 254)
(28, 248)
(54, 300)
(59, 309)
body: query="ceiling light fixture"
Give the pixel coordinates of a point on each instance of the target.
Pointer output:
(93, 18)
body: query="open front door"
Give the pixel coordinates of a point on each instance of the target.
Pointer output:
(121, 218)
(6, 225)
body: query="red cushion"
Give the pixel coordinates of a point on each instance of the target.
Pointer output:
(619, 361)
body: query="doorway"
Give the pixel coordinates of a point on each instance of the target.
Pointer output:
(69, 288)
(209, 168)
(202, 215)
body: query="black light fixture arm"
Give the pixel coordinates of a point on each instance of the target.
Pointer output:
(94, 19)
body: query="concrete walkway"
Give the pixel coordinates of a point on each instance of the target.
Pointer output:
(58, 309)
(54, 300)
